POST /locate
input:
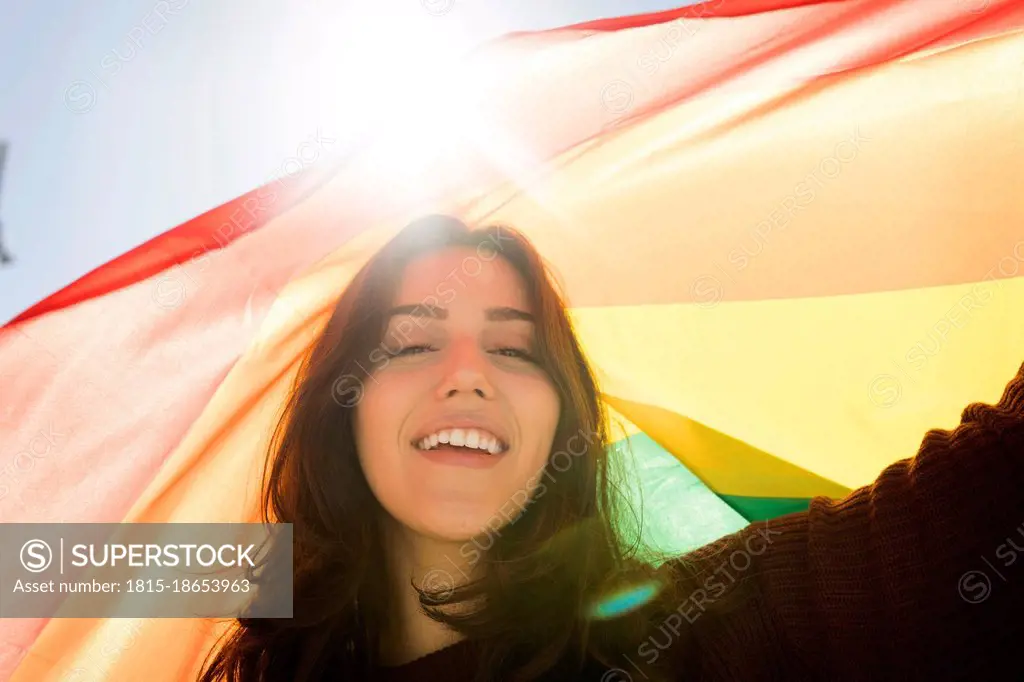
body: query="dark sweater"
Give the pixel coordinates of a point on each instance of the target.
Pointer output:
(918, 576)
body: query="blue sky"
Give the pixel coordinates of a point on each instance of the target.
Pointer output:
(127, 117)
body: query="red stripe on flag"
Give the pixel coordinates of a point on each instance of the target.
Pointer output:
(210, 231)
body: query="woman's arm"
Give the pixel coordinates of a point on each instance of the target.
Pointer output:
(918, 575)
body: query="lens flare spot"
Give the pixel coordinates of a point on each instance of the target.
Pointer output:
(624, 601)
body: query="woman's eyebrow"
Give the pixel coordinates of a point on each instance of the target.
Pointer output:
(505, 314)
(419, 310)
(500, 314)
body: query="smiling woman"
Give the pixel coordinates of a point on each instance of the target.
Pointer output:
(463, 371)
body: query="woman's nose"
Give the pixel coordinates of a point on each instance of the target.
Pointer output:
(465, 371)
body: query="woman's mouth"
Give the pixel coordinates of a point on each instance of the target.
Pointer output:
(467, 440)
(474, 448)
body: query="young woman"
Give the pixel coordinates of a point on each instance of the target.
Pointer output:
(443, 459)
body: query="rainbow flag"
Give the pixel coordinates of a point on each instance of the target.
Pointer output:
(789, 231)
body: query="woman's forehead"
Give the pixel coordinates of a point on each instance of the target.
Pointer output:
(444, 277)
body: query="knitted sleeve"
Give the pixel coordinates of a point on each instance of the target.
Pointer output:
(919, 575)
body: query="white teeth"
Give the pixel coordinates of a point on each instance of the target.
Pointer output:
(468, 438)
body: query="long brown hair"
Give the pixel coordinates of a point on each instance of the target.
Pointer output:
(532, 611)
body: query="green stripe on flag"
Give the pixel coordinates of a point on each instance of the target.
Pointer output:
(764, 508)
(671, 510)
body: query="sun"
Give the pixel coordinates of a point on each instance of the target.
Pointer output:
(415, 101)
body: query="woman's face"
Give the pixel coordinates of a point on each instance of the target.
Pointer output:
(456, 365)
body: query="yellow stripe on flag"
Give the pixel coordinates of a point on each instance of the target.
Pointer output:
(838, 386)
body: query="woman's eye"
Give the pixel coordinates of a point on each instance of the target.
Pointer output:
(515, 353)
(411, 350)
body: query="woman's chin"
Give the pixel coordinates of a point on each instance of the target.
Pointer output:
(454, 528)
